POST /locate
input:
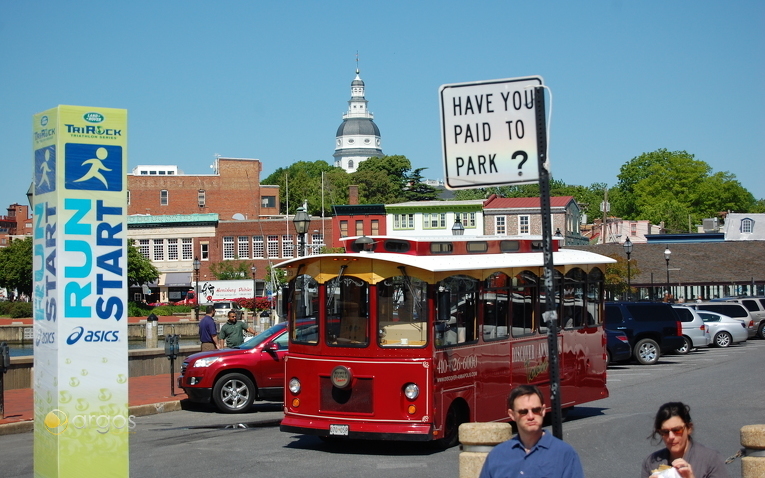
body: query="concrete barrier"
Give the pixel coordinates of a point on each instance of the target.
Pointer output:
(140, 362)
(753, 462)
(477, 440)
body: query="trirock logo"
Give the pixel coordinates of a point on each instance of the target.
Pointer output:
(93, 167)
(92, 131)
(57, 422)
(44, 121)
(93, 117)
(42, 338)
(92, 336)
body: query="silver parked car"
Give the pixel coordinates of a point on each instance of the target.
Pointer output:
(724, 330)
(694, 330)
(732, 310)
(756, 308)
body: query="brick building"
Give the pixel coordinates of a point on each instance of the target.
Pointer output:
(522, 216)
(233, 191)
(16, 224)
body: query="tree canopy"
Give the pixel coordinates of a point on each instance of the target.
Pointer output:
(385, 180)
(140, 269)
(16, 266)
(677, 189)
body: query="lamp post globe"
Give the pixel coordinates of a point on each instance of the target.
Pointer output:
(301, 221)
(458, 229)
(667, 254)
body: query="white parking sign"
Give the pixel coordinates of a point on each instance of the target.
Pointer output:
(489, 133)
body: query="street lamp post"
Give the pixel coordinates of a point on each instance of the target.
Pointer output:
(628, 251)
(667, 253)
(197, 264)
(301, 221)
(458, 229)
(254, 284)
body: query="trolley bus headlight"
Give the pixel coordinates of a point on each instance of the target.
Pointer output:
(294, 386)
(411, 390)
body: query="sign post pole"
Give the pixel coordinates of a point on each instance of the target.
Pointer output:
(548, 287)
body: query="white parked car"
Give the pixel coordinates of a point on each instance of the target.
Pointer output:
(724, 330)
(694, 330)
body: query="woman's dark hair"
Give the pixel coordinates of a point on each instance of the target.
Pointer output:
(669, 410)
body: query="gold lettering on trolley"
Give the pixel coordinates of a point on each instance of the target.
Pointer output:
(533, 371)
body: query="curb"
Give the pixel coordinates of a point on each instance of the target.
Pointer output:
(136, 410)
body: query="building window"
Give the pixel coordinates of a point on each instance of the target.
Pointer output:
(244, 247)
(317, 240)
(633, 229)
(747, 226)
(273, 246)
(172, 249)
(375, 227)
(228, 247)
(359, 228)
(204, 251)
(143, 248)
(434, 221)
(201, 197)
(268, 201)
(163, 198)
(499, 225)
(343, 228)
(187, 249)
(467, 219)
(523, 224)
(403, 221)
(288, 246)
(350, 162)
(257, 247)
(159, 249)
(128, 197)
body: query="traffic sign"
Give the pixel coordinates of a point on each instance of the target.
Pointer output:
(489, 132)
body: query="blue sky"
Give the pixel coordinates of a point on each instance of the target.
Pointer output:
(270, 80)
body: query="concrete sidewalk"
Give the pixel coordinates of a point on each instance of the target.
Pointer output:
(146, 396)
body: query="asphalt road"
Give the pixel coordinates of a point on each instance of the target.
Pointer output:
(723, 386)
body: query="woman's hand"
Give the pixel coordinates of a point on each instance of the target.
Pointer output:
(684, 468)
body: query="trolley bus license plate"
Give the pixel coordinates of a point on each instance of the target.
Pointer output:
(338, 430)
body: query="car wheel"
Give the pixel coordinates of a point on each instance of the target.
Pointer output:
(761, 330)
(608, 358)
(234, 393)
(687, 346)
(647, 352)
(723, 339)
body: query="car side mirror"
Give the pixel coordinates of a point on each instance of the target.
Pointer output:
(272, 347)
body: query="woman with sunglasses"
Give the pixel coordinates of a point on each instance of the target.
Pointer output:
(690, 459)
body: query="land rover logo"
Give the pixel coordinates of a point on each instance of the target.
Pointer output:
(93, 117)
(341, 376)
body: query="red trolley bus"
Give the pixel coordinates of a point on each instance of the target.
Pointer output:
(407, 338)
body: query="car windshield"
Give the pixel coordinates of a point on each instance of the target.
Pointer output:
(261, 337)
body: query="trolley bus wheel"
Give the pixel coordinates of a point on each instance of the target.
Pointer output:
(454, 418)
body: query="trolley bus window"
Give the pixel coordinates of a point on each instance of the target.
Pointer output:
(496, 310)
(347, 312)
(458, 307)
(595, 294)
(304, 305)
(525, 295)
(402, 312)
(574, 314)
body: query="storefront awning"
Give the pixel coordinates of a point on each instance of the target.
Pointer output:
(175, 279)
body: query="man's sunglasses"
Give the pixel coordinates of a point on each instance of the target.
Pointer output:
(525, 411)
(677, 431)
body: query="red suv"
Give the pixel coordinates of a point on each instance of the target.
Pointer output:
(234, 378)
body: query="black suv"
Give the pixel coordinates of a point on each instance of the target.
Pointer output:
(652, 328)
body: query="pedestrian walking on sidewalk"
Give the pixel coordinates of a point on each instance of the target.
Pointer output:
(532, 453)
(232, 332)
(208, 332)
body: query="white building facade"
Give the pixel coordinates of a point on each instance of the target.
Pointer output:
(358, 137)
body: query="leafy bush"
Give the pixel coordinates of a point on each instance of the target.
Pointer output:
(258, 303)
(163, 310)
(5, 307)
(21, 310)
(137, 309)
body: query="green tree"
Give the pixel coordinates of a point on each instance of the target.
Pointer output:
(677, 189)
(16, 266)
(616, 275)
(140, 270)
(407, 183)
(301, 181)
(230, 270)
